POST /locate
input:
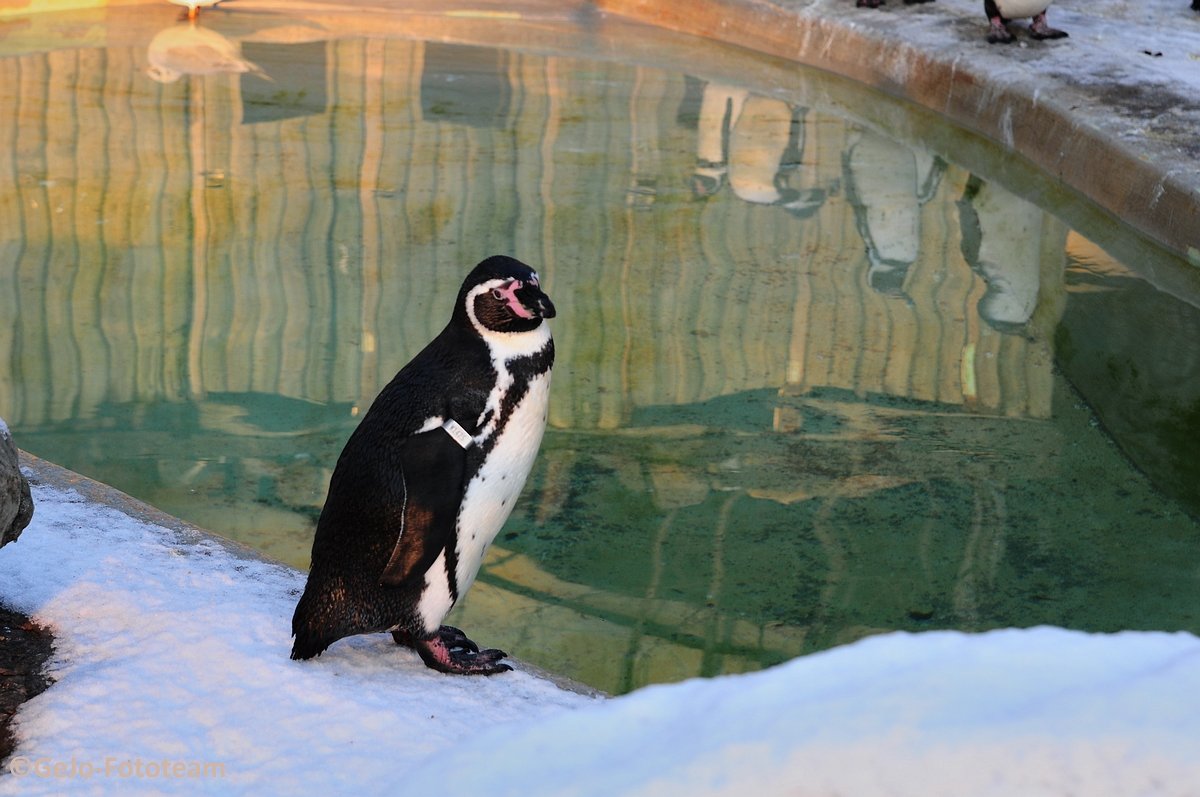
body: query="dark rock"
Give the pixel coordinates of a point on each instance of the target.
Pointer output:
(16, 504)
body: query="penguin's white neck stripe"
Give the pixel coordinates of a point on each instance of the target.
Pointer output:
(504, 347)
(532, 343)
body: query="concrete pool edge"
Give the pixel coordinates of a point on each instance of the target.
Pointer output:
(43, 472)
(1146, 183)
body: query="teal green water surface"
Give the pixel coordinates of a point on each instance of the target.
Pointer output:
(826, 368)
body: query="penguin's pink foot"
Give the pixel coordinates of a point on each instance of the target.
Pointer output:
(998, 33)
(449, 650)
(1040, 29)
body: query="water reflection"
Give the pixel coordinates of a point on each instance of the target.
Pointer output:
(1002, 241)
(189, 49)
(757, 144)
(820, 403)
(887, 183)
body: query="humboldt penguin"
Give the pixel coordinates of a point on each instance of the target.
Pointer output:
(430, 475)
(1000, 12)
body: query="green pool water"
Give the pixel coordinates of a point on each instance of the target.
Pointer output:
(826, 367)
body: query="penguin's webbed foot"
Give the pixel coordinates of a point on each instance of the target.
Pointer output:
(449, 650)
(1040, 29)
(998, 33)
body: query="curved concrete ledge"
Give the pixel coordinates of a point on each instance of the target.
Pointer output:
(1077, 114)
(41, 471)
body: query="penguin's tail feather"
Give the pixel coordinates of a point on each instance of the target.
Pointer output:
(308, 646)
(312, 629)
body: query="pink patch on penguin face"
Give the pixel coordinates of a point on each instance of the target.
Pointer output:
(509, 294)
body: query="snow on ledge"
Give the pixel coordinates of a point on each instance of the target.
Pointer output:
(172, 654)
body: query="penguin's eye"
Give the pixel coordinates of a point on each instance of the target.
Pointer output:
(497, 294)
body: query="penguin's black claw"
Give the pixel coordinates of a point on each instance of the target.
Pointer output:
(869, 3)
(454, 638)
(460, 660)
(449, 650)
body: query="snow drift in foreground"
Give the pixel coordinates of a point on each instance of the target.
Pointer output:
(173, 676)
(1037, 712)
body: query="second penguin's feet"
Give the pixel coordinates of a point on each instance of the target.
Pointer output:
(998, 32)
(1040, 29)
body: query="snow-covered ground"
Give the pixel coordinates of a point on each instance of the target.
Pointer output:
(1129, 45)
(176, 649)
(172, 675)
(1112, 42)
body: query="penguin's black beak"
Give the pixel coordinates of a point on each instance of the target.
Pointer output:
(534, 300)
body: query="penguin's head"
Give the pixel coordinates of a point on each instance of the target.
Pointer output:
(502, 294)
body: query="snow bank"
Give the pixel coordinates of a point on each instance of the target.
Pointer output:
(1036, 712)
(173, 676)
(177, 651)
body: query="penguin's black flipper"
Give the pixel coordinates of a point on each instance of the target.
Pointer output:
(432, 468)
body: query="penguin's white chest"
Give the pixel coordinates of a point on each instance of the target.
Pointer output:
(1019, 9)
(492, 492)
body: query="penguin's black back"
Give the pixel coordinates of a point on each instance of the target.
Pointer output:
(356, 532)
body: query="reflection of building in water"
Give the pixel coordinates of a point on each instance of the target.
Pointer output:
(316, 282)
(719, 107)
(733, 386)
(292, 83)
(465, 85)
